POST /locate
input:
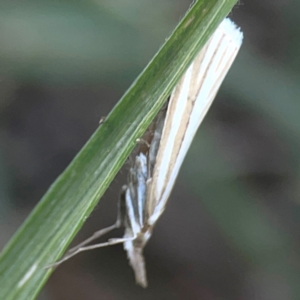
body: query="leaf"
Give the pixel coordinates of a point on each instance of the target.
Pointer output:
(49, 229)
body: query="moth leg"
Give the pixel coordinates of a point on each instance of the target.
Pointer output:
(102, 120)
(81, 249)
(119, 223)
(95, 236)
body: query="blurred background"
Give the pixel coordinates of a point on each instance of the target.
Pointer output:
(231, 230)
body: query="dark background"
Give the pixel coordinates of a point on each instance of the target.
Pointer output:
(231, 230)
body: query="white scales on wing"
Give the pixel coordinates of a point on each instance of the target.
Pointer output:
(155, 167)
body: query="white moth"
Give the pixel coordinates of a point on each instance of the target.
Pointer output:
(155, 168)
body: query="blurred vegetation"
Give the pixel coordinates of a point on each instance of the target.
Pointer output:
(231, 228)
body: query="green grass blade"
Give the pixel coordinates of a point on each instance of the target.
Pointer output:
(50, 228)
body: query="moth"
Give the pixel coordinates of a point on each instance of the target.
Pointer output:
(163, 148)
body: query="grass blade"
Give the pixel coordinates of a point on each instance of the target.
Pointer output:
(50, 228)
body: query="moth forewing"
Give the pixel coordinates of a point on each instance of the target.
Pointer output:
(135, 197)
(187, 107)
(155, 168)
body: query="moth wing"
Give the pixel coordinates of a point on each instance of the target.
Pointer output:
(135, 199)
(188, 105)
(135, 194)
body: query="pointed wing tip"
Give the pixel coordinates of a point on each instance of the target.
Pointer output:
(231, 29)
